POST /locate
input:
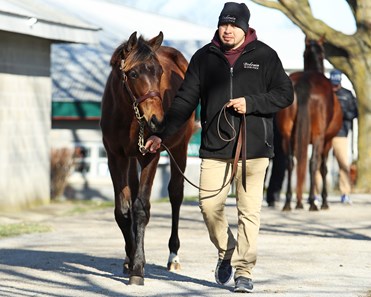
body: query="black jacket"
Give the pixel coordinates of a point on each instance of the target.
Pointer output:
(257, 75)
(350, 111)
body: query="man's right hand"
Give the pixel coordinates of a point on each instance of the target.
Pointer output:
(153, 144)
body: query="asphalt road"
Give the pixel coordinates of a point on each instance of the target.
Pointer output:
(301, 253)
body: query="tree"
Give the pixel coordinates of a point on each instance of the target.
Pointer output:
(349, 53)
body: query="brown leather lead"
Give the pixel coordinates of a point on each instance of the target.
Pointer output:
(240, 150)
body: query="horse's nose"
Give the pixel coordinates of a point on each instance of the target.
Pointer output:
(155, 125)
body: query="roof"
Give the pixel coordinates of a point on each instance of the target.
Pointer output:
(79, 72)
(38, 18)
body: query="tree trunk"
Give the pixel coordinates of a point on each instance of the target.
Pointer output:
(362, 86)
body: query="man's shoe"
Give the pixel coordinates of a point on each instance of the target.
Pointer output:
(223, 271)
(243, 285)
(345, 199)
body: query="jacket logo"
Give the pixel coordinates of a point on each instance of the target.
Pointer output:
(250, 65)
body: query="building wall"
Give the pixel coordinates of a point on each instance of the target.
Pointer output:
(25, 102)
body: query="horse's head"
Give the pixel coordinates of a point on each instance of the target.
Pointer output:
(314, 54)
(142, 73)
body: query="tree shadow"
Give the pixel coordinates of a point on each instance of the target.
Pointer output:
(32, 266)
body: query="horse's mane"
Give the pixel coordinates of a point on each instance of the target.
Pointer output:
(140, 52)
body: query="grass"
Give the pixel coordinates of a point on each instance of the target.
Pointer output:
(185, 199)
(68, 208)
(82, 206)
(11, 230)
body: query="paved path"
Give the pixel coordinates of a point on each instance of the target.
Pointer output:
(326, 253)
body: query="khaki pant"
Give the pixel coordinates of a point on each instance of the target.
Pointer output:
(340, 146)
(215, 173)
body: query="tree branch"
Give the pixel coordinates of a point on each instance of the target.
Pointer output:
(300, 13)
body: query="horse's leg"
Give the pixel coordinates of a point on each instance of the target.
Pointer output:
(118, 167)
(176, 192)
(301, 168)
(324, 175)
(313, 167)
(290, 168)
(324, 187)
(133, 182)
(140, 217)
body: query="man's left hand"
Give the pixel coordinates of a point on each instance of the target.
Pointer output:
(238, 104)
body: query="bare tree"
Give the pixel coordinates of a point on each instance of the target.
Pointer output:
(349, 53)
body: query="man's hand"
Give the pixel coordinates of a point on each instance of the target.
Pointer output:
(238, 104)
(153, 144)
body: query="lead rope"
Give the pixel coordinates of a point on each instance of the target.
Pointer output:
(240, 145)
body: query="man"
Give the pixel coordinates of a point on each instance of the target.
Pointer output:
(340, 142)
(236, 79)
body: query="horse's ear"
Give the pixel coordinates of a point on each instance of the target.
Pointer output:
(130, 43)
(156, 42)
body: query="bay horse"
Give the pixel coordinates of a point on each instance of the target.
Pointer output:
(314, 118)
(140, 88)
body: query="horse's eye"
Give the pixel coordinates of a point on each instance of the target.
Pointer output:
(133, 74)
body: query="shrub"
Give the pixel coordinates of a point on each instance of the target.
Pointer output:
(60, 168)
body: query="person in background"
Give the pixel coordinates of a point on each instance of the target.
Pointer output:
(239, 83)
(340, 142)
(278, 170)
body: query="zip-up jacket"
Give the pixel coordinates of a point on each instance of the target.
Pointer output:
(350, 110)
(257, 75)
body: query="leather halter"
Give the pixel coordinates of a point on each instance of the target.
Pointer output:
(136, 102)
(142, 98)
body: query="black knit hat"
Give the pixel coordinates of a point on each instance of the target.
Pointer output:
(235, 13)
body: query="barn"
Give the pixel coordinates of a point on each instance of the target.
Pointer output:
(28, 29)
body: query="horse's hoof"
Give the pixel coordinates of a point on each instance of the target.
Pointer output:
(313, 207)
(286, 208)
(325, 206)
(136, 280)
(173, 263)
(173, 266)
(299, 205)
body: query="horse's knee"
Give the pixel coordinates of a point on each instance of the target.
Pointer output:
(176, 189)
(122, 211)
(140, 211)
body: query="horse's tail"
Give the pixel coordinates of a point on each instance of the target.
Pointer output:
(302, 129)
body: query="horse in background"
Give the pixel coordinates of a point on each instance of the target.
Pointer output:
(140, 88)
(314, 118)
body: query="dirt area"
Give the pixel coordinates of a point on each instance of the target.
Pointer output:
(301, 253)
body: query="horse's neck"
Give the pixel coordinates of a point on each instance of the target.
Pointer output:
(314, 64)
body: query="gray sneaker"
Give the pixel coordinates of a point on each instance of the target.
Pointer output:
(223, 271)
(243, 285)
